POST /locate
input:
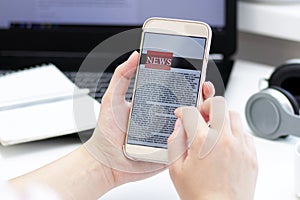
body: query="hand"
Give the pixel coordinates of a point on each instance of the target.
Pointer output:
(99, 165)
(108, 138)
(229, 171)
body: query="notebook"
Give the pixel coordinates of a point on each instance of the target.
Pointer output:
(41, 102)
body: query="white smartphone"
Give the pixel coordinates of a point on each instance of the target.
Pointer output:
(172, 67)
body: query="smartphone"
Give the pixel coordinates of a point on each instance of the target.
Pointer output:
(172, 67)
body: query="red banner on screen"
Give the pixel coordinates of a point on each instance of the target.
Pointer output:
(159, 60)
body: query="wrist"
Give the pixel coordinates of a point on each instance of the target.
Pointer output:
(101, 175)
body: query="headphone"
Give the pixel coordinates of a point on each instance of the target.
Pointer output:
(274, 112)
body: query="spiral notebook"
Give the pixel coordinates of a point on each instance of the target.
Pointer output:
(41, 102)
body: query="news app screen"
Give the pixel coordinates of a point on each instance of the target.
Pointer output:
(168, 77)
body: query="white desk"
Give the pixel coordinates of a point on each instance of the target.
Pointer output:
(275, 179)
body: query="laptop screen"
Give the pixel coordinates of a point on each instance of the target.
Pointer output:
(55, 25)
(52, 13)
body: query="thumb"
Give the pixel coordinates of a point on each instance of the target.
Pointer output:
(177, 144)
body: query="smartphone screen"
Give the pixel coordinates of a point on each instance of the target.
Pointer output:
(168, 77)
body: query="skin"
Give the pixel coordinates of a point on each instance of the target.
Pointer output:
(229, 171)
(92, 177)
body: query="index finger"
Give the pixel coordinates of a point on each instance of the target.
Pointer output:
(215, 109)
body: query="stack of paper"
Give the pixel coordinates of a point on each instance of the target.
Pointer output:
(42, 102)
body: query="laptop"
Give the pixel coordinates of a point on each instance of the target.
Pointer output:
(65, 32)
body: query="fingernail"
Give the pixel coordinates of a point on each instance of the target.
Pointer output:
(208, 85)
(132, 54)
(178, 112)
(209, 89)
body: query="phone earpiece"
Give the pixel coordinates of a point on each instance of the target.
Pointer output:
(274, 112)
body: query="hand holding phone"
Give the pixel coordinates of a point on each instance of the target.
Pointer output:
(106, 144)
(171, 71)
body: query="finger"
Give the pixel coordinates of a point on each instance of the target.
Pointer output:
(250, 143)
(177, 145)
(203, 114)
(208, 90)
(237, 128)
(216, 110)
(194, 126)
(251, 148)
(121, 78)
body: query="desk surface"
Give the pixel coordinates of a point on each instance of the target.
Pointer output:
(275, 179)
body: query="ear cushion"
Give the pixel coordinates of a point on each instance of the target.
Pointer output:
(287, 76)
(290, 97)
(263, 113)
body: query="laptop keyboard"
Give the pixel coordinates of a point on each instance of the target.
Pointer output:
(3, 72)
(88, 80)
